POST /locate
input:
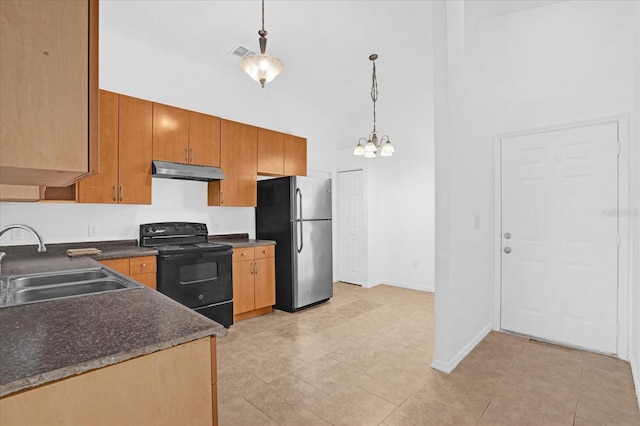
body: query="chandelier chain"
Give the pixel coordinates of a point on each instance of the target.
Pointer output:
(262, 15)
(374, 94)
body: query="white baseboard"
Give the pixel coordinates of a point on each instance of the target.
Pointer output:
(401, 285)
(449, 366)
(635, 372)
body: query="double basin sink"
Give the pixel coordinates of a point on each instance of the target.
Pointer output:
(30, 288)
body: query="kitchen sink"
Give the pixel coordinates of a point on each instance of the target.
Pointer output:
(22, 289)
(38, 280)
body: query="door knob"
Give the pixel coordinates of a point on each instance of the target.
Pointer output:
(507, 235)
(507, 250)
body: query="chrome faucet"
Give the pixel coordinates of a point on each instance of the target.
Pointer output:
(41, 246)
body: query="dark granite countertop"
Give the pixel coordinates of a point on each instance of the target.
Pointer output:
(47, 341)
(239, 240)
(115, 249)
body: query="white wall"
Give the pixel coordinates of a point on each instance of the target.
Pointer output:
(566, 62)
(463, 195)
(135, 69)
(635, 209)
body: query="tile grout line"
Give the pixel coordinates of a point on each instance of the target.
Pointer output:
(508, 372)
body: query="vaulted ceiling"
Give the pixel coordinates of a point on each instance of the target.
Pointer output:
(324, 45)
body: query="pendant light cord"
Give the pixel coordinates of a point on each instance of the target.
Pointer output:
(374, 94)
(262, 15)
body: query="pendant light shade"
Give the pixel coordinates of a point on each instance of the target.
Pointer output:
(262, 67)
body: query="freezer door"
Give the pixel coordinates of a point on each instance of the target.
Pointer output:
(313, 269)
(312, 198)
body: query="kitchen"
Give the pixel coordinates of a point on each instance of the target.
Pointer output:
(152, 72)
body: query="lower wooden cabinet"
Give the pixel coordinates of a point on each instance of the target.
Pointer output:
(141, 269)
(175, 386)
(254, 281)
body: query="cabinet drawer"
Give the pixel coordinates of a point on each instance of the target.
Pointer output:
(243, 253)
(141, 265)
(262, 252)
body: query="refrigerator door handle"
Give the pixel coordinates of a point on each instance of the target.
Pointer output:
(300, 239)
(299, 197)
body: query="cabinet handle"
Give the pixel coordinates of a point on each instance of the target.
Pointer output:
(186, 156)
(251, 268)
(121, 193)
(144, 265)
(255, 268)
(190, 155)
(221, 197)
(264, 252)
(113, 195)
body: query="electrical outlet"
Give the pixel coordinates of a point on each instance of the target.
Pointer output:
(93, 230)
(476, 221)
(17, 234)
(218, 227)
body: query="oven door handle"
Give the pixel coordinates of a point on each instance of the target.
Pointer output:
(198, 281)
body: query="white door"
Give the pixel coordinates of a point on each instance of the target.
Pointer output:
(559, 248)
(350, 248)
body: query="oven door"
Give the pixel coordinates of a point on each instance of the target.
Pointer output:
(196, 279)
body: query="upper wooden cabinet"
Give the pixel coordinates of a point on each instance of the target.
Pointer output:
(270, 152)
(49, 91)
(238, 161)
(204, 139)
(125, 153)
(184, 136)
(280, 154)
(295, 156)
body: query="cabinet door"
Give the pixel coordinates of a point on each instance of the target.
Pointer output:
(48, 87)
(119, 265)
(295, 156)
(243, 287)
(102, 188)
(204, 139)
(148, 279)
(170, 133)
(238, 149)
(265, 282)
(135, 149)
(270, 152)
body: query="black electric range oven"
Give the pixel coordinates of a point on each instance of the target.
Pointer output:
(191, 270)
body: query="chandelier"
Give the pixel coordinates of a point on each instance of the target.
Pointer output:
(262, 68)
(372, 144)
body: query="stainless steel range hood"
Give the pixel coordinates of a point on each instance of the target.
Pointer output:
(169, 170)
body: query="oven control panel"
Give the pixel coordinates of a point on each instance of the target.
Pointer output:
(152, 233)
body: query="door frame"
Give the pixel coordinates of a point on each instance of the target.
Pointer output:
(624, 309)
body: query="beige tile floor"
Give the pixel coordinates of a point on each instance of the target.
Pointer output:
(364, 359)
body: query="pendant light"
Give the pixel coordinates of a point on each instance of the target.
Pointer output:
(262, 68)
(371, 145)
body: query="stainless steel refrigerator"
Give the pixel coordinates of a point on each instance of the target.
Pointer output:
(295, 212)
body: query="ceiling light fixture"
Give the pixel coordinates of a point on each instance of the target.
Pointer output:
(262, 68)
(372, 144)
